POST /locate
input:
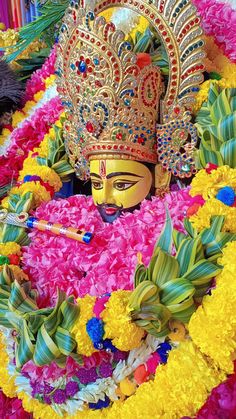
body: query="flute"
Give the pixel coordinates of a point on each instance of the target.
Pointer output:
(23, 220)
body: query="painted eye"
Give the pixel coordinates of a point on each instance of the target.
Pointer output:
(122, 186)
(97, 185)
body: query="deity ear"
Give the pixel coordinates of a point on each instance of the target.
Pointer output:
(162, 180)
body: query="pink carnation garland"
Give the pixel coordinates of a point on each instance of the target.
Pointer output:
(26, 137)
(109, 262)
(219, 20)
(37, 80)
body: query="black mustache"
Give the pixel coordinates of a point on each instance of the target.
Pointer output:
(104, 206)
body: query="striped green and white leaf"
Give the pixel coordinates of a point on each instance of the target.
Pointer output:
(216, 125)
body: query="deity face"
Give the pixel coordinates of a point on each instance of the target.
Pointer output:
(118, 185)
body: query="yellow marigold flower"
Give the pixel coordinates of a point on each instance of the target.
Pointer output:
(9, 248)
(119, 327)
(2, 26)
(17, 117)
(213, 206)
(84, 343)
(48, 175)
(4, 202)
(38, 95)
(208, 185)
(217, 339)
(6, 381)
(50, 80)
(4, 135)
(40, 194)
(28, 106)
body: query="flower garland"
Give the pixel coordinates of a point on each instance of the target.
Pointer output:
(214, 193)
(127, 387)
(37, 93)
(198, 374)
(218, 19)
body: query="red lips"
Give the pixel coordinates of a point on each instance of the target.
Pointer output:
(110, 211)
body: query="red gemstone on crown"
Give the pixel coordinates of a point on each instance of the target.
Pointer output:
(90, 127)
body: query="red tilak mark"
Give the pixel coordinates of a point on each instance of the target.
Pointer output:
(102, 169)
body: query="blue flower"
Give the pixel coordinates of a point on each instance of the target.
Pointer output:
(100, 404)
(95, 330)
(226, 195)
(108, 346)
(163, 350)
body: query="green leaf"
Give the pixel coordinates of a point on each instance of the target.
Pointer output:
(176, 291)
(51, 14)
(228, 152)
(165, 239)
(201, 272)
(209, 234)
(186, 254)
(25, 202)
(206, 155)
(215, 246)
(141, 274)
(226, 127)
(189, 228)
(178, 237)
(220, 108)
(165, 268)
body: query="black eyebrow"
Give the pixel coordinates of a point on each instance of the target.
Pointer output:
(122, 174)
(110, 175)
(95, 175)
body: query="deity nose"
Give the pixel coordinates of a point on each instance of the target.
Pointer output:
(108, 197)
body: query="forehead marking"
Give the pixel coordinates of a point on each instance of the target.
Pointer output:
(102, 168)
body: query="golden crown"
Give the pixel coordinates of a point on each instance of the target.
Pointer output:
(112, 104)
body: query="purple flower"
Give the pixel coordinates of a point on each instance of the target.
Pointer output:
(71, 388)
(59, 396)
(47, 399)
(36, 389)
(120, 356)
(48, 389)
(105, 370)
(87, 376)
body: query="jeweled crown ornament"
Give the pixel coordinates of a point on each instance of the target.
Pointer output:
(112, 105)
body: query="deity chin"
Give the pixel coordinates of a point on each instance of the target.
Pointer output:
(110, 213)
(119, 186)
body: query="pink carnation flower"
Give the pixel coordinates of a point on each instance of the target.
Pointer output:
(219, 20)
(109, 262)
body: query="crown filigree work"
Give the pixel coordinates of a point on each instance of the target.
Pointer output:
(112, 104)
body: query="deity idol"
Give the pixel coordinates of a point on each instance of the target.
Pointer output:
(125, 128)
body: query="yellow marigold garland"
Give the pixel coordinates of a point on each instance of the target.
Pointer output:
(125, 335)
(84, 344)
(31, 167)
(212, 207)
(217, 339)
(7, 382)
(9, 248)
(207, 185)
